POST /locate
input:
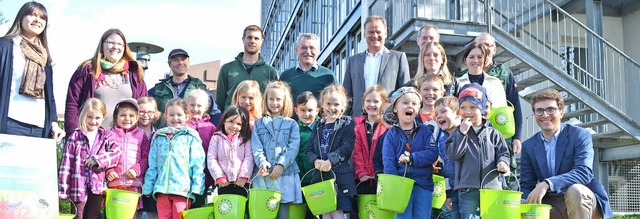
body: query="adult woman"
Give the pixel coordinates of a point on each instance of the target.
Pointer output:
(475, 57)
(434, 61)
(26, 76)
(111, 75)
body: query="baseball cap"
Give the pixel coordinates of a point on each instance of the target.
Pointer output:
(178, 52)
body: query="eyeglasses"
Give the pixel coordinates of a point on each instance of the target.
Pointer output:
(111, 43)
(548, 110)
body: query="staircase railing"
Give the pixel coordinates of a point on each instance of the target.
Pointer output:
(568, 44)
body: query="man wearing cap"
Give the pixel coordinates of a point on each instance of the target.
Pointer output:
(248, 65)
(179, 85)
(376, 65)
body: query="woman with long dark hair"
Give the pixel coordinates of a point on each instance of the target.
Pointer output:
(27, 104)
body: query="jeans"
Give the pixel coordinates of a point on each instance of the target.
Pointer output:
(469, 200)
(23, 129)
(419, 204)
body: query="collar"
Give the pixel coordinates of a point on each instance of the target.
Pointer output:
(313, 67)
(17, 39)
(383, 50)
(555, 136)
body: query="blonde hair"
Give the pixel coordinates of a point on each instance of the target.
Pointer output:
(94, 62)
(150, 100)
(449, 101)
(431, 78)
(444, 68)
(374, 89)
(287, 103)
(91, 105)
(244, 87)
(180, 103)
(338, 89)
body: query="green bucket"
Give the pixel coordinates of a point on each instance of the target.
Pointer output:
(229, 206)
(297, 211)
(373, 212)
(499, 203)
(363, 201)
(321, 197)
(121, 203)
(205, 212)
(502, 120)
(535, 211)
(264, 203)
(393, 192)
(439, 192)
(66, 216)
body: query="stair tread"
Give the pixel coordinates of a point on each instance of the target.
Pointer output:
(535, 79)
(519, 68)
(577, 113)
(594, 123)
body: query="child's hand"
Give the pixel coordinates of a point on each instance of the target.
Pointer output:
(503, 167)
(240, 181)
(317, 164)
(131, 174)
(91, 163)
(326, 166)
(276, 172)
(465, 125)
(404, 158)
(223, 183)
(365, 178)
(448, 203)
(112, 175)
(435, 164)
(264, 171)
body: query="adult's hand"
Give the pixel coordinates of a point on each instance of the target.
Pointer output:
(517, 146)
(57, 132)
(535, 197)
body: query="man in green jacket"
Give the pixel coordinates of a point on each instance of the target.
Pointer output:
(248, 65)
(179, 85)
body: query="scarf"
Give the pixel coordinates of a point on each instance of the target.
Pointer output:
(121, 66)
(34, 76)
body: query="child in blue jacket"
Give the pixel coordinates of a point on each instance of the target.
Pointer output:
(411, 145)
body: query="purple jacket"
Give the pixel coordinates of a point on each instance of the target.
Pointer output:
(205, 129)
(74, 176)
(82, 87)
(135, 156)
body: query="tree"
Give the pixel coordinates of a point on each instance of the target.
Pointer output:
(2, 20)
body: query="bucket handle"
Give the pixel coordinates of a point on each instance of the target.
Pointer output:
(321, 178)
(75, 211)
(496, 169)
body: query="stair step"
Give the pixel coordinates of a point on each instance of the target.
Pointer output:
(519, 68)
(577, 113)
(594, 123)
(530, 91)
(535, 79)
(611, 134)
(570, 100)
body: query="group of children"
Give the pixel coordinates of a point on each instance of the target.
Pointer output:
(268, 149)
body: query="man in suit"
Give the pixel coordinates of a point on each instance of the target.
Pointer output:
(376, 65)
(557, 164)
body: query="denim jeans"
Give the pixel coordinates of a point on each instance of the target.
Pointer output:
(15, 127)
(419, 204)
(469, 200)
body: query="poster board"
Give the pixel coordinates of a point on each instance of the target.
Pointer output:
(28, 177)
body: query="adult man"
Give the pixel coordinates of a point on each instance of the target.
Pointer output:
(503, 73)
(376, 65)
(557, 164)
(427, 33)
(248, 65)
(179, 85)
(308, 75)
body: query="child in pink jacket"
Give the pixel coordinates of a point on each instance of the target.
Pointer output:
(133, 163)
(230, 159)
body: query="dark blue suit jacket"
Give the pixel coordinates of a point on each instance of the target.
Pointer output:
(574, 160)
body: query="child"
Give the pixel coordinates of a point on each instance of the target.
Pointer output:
(176, 163)
(198, 104)
(275, 142)
(89, 151)
(331, 145)
(448, 121)
(431, 88)
(149, 113)
(134, 145)
(229, 159)
(475, 143)
(409, 144)
(368, 130)
(246, 95)
(307, 111)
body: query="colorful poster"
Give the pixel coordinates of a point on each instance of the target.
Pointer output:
(28, 177)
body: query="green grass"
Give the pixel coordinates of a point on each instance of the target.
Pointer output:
(629, 216)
